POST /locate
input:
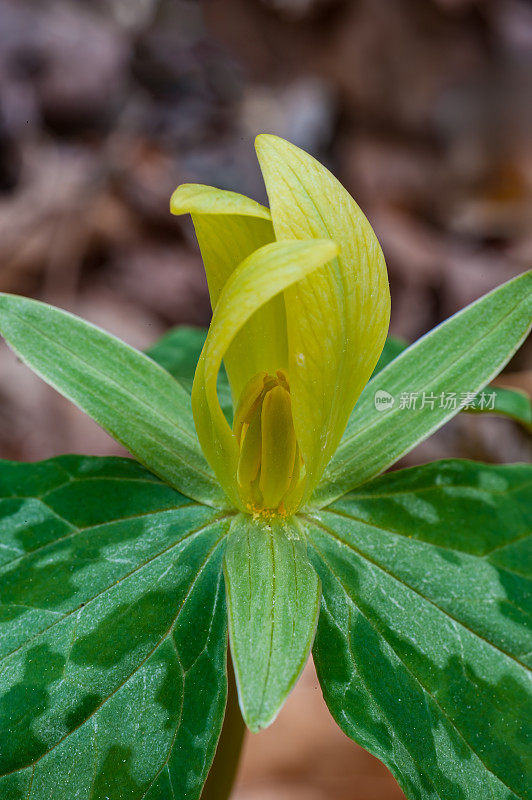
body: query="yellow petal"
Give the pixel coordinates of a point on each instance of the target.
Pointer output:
(261, 276)
(337, 318)
(229, 227)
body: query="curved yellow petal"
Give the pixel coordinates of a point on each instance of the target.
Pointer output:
(229, 227)
(196, 198)
(260, 277)
(337, 318)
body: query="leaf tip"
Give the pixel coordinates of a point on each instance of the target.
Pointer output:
(259, 722)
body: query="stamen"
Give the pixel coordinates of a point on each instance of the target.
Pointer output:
(278, 446)
(270, 473)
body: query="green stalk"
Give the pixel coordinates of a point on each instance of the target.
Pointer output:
(224, 767)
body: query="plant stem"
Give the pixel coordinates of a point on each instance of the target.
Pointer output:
(224, 767)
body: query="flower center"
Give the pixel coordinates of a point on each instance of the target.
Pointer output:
(270, 468)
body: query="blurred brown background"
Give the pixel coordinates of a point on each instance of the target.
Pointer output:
(421, 107)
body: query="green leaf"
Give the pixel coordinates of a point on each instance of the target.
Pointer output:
(507, 402)
(423, 643)
(462, 355)
(104, 693)
(129, 395)
(273, 597)
(510, 403)
(178, 352)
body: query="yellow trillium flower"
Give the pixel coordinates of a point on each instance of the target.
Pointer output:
(301, 308)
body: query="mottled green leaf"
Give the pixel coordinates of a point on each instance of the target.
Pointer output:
(129, 395)
(273, 597)
(460, 356)
(104, 692)
(423, 644)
